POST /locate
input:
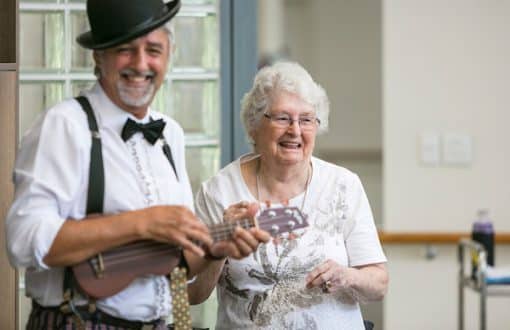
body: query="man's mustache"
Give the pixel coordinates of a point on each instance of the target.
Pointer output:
(135, 73)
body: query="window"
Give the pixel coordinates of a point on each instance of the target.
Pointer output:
(54, 67)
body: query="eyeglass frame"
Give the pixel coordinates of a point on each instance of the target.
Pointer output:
(290, 121)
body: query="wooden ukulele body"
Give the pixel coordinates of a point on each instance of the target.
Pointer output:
(113, 270)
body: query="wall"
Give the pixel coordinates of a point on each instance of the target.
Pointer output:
(445, 69)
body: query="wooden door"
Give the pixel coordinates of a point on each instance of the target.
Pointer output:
(8, 110)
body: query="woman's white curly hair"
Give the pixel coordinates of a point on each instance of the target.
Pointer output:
(282, 77)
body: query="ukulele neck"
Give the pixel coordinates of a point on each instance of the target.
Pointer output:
(224, 231)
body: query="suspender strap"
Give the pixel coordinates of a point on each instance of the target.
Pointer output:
(168, 153)
(95, 195)
(95, 200)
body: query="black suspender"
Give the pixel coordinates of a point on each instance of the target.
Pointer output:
(95, 194)
(168, 154)
(95, 201)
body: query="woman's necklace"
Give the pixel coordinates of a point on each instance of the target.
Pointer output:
(309, 176)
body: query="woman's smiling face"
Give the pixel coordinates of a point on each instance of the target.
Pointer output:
(288, 145)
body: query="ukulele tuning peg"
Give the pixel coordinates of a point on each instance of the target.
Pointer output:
(271, 214)
(291, 224)
(288, 211)
(275, 229)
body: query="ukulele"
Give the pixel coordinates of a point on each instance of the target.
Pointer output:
(111, 271)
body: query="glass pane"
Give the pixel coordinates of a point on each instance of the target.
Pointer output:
(79, 86)
(81, 58)
(195, 105)
(41, 40)
(197, 42)
(201, 163)
(161, 101)
(34, 98)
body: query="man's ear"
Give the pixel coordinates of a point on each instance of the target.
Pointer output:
(97, 57)
(96, 54)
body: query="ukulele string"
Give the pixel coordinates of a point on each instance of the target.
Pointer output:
(134, 255)
(225, 230)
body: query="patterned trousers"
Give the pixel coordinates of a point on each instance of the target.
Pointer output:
(46, 318)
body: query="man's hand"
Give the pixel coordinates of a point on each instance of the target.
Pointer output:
(244, 242)
(176, 225)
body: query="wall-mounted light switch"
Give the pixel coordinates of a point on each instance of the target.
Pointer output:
(457, 149)
(430, 148)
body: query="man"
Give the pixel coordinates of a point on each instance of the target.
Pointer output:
(146, 193)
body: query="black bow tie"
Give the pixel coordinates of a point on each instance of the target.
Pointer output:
(151, 131)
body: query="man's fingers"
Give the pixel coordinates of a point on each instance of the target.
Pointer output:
(189, 246)
(205, 238)
(195, 224)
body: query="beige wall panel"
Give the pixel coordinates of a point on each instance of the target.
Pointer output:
(8, 87)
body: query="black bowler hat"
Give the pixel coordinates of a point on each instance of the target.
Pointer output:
(114, 22)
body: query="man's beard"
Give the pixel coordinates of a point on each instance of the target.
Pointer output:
(136, 96)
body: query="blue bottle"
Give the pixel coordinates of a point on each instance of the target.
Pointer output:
(483, 233)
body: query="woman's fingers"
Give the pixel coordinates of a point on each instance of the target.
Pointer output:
(246, 237)
(243, 247)
(260, 235)
(320, 274)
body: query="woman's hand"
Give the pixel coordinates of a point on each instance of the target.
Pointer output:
(360, 284)
(244, 242)
(330, 277)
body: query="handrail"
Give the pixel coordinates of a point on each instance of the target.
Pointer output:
(433, 237)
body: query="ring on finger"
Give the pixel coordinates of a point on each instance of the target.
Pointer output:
(325, 286)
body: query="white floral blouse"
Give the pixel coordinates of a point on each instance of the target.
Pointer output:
(267, 290)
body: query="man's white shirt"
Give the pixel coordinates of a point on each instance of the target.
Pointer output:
(51, 177)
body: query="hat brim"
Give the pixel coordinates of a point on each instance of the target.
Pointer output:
(87, 41)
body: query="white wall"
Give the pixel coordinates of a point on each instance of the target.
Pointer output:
(445, 69)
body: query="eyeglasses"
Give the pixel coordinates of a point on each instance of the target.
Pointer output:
(283, 120)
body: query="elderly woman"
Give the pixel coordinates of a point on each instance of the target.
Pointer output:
(315, 277)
